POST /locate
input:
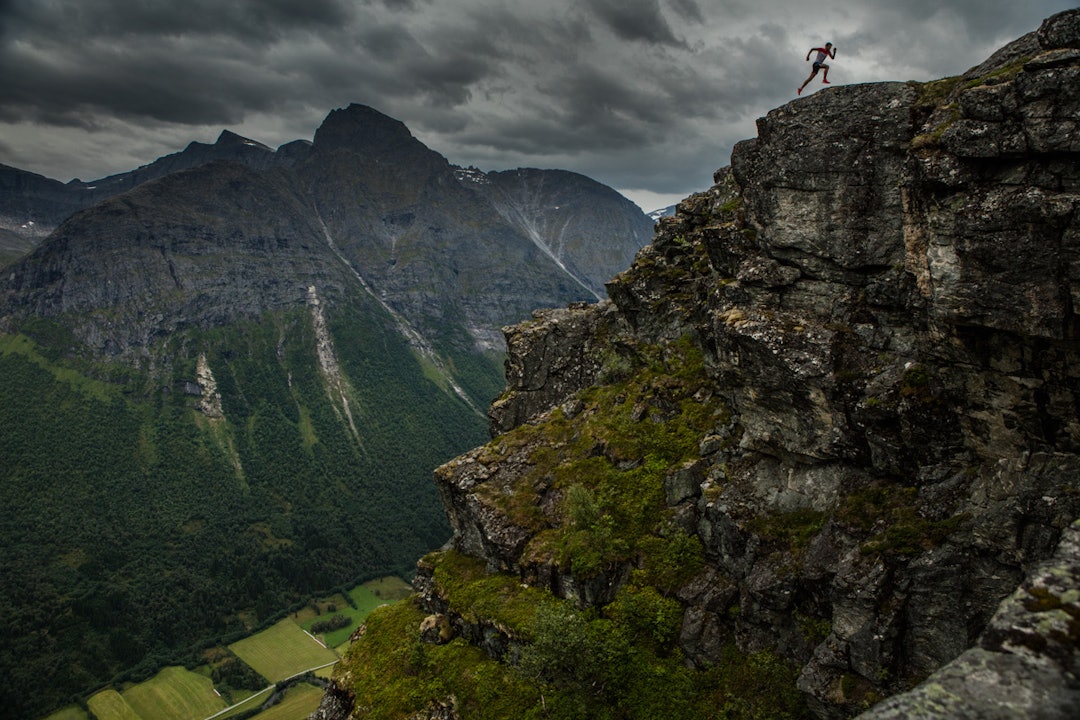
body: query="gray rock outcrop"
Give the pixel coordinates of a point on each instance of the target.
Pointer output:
(1026, 662)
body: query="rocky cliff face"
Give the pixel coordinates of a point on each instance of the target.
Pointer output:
(849, 374)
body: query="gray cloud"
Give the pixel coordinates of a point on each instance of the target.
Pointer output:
(399, 4)
(634, 20)
(688, 10)
(639, 94)
(243, 20)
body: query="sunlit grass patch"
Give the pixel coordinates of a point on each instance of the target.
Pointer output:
(282, 651)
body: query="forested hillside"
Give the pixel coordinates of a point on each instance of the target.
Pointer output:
(139, 528)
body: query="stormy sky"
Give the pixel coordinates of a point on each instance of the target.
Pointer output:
(647, 96)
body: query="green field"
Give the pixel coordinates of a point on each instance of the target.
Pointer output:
(175, 693)
(245, 706)
(281, 651)
(110, 705)
(73, 712)
(275, 653)
(390, 588)
(299, 702)
(366, 598)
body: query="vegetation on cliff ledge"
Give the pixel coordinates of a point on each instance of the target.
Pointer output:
(618, 662)
(606, 455)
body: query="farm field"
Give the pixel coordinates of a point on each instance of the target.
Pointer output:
(111, 705)
(73, 712)
(246, 706)
(390, 588)
(276, 653)
(299, 702)
(175, 693)
(282, 651)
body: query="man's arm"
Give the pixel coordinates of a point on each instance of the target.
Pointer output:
(833, 56)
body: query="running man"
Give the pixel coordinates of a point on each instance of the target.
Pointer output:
(819, 64)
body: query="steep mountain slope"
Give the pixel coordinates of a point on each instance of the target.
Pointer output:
(434, 251)
(593, 228)
(32, 206)
(217, 384)
(202, 248)
(827, 422)
(558, 211)
(366, 197)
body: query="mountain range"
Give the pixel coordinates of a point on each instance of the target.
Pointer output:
(226, 377)
(367, 192)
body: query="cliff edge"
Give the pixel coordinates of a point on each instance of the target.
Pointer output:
(821, 447)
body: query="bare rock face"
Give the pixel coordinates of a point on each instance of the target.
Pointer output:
(824, 199)
(551, 357)
(1026, 661)
(884, 285)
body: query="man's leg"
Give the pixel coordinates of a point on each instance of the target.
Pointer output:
(825, 74)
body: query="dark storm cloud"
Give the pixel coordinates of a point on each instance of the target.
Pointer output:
(195, 62)
(687, 10)
(159, 86)
(242, 19)
(399, 4)
(6, 9)
(930, 37)
(634, 20)
(978, 17)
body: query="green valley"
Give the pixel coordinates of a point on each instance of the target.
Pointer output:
(226, 381)
(142, 527)
(270, 675)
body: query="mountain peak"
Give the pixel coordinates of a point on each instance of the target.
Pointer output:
(360, 126)
(228, 138)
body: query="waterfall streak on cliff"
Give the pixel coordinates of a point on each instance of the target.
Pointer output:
(416, 341)
(328, 362)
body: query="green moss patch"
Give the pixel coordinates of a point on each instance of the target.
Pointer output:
(889, 510)
(479, 597)
(394, 675)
